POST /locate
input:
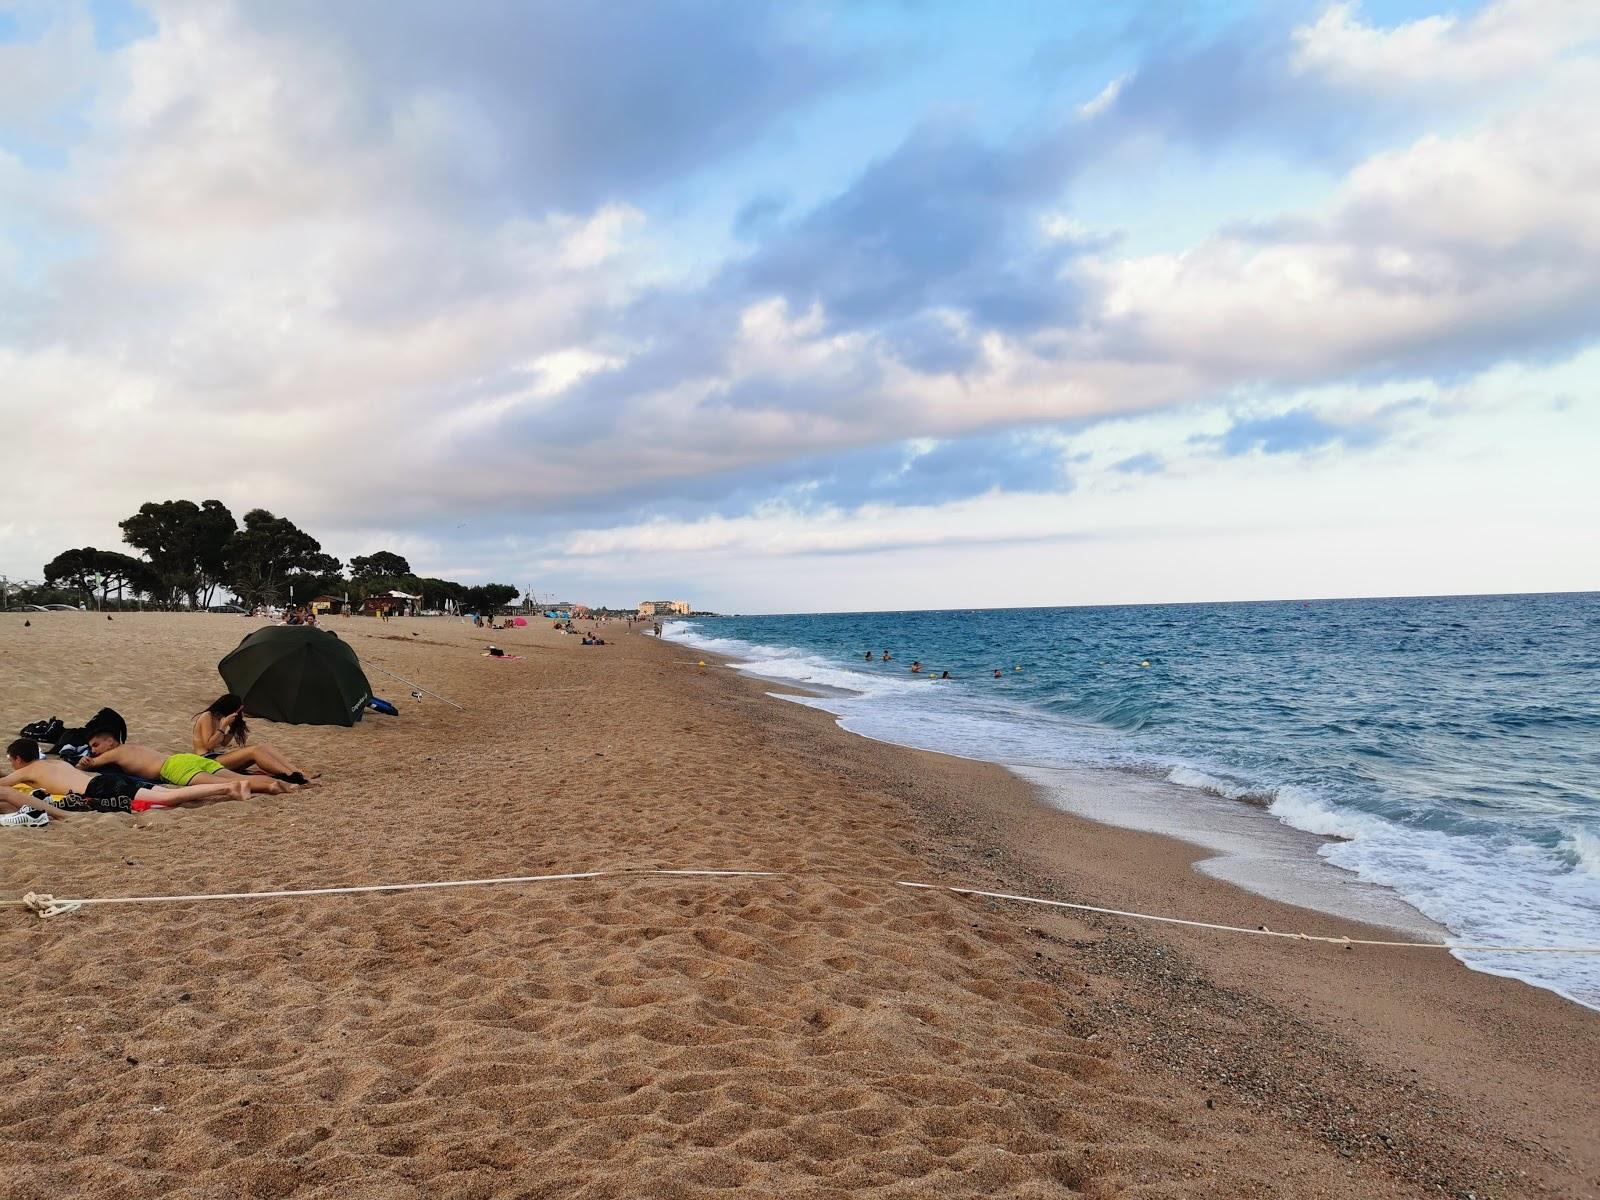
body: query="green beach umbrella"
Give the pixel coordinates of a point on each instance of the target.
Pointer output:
(297, 674)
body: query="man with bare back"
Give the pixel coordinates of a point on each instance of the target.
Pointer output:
(175, 770)
(83, 792)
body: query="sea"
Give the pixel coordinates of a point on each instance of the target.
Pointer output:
(1427, 764)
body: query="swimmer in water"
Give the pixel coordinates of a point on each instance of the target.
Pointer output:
(887, 657)
(916, 667)
(997, 672)
(945, 675)
(869, 656)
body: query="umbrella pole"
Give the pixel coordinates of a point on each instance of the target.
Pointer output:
(418, 686)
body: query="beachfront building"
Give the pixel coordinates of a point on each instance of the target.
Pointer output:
(394, 603)
(664, 608)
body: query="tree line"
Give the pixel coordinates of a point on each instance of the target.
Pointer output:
(190, 552)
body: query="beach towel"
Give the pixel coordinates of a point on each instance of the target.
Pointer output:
(36, 793)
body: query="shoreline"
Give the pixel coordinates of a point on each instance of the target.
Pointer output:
(1429, 1034)
(816, 1034)
(1247, 843)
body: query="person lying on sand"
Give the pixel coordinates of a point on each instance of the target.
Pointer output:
(223, 722)
(174, 769)
(83, 792)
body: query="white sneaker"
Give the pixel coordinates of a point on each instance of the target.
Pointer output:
(25, 817)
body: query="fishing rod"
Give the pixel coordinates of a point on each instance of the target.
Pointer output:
(418, 686)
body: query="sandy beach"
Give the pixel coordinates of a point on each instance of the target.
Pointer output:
(816, 1033)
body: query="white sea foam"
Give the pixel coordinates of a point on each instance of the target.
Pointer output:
(1486, 890)
(1190, 777)
(788, 663)
(1583, 850)
(1304, 809)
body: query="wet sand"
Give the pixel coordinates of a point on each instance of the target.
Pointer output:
(814, 1035)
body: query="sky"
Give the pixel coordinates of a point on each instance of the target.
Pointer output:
(812, 306)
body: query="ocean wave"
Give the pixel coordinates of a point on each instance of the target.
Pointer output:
(1303, 809)
(1582, 851)
(1124, 713)
(789, 663)
(1228, 789)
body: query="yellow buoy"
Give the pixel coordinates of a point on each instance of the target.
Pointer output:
(1145, 663)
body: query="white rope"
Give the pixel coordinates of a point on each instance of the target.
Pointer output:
(1259, 931)
(46, 905)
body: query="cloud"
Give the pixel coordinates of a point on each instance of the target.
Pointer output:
(934, 472)
(580, 104)
(779, 532)
(1452, 250)
(442, 282)
(1103, 99)
(1293, 432)
(1500, 42)
(941, 223)
(48, 62)
(1139, 464)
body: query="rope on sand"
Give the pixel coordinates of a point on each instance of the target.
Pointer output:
(46, 905)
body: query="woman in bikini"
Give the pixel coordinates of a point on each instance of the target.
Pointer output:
(222, 724)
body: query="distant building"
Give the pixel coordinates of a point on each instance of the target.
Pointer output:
(664, 608)
(393, 603)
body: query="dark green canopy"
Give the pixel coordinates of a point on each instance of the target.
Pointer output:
(297, 674)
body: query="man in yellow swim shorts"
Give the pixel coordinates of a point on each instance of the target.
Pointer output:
(177, 769)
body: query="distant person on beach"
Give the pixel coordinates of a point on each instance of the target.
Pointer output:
(223, 723)
(83, 792)
(174, 769)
